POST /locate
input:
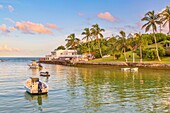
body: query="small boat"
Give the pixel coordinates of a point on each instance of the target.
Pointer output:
(45, 74)
(34, 65)
(35, 86)
(125, 69)
(134, 69)
(2, 60)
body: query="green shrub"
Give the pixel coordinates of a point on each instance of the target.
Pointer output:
(117, 56)
(167, 52)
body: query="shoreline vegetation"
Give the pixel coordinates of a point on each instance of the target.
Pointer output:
(135, 49)
(119, 64)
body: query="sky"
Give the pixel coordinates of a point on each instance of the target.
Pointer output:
(36, 27)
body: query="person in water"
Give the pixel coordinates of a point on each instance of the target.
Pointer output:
(39, 65)
(39, 86)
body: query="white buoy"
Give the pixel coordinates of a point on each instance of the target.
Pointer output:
(125, 69)
(134, 69)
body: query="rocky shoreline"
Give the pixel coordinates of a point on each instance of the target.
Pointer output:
(122, 64)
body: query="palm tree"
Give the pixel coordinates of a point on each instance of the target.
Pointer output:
(166, 17)
(96, 32)
(72, 41)
(152, 20)
(139, 43)
(112, 43)
(132, 45)
(87, 34)
(122, 43)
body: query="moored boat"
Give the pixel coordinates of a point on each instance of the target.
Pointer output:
(46, 74)
(36, 86)
(34, 65)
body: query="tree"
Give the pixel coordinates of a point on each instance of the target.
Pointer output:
(122, 43)
(72, 41)
(96, 32)
(132, 45)
(140, 42)
(112, 46)
(152, 20)
(61, 48)
(165, 15)
(87, 36)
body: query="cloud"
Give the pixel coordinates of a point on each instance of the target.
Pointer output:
(10, 8)
(52, 26)
(132, 28)
(5, 48)
(12, 28)
(30, 28)
(81, 14)
(139, 24)
(106, 16)
(165, 29)
(10, 20)
(4, 28)
(1, 6)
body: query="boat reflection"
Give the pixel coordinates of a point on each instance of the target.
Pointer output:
(36, 100)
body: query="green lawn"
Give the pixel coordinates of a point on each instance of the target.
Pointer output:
(165, 60)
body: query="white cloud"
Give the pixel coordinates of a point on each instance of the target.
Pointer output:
(10, 20)
(5, 48)
(10, 8)
(1, 6)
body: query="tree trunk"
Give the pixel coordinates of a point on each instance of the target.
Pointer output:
(169, 27)
(140, 54)
(100, 50)
(156, 47)
(114, 58)
(99, 46)
(125, 54)
(89, 47)
(133, 57)
(160, 28)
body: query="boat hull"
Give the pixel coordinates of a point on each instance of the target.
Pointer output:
(32, 90)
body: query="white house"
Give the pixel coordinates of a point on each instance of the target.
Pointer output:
(63, 54)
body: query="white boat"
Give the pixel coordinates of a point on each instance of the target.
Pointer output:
(34, 65)
(35, 86)
(134, 69)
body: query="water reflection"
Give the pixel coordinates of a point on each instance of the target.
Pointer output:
(36, 100)
(35, 72)
(126, 90)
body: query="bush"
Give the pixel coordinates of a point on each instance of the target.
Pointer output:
(117, 56)
(151, 53)
(161, 51)
(167, 52)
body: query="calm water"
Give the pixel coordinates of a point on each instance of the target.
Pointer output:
(84, 90)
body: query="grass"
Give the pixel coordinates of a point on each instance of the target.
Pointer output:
(164, 60)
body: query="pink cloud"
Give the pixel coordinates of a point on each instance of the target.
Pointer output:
(106, 16)
(4, 28)
(5, 48)
(10, 8)
(10, 20)
(12, 28)
(30, 27)
(165, 29)
(139, 24)
(52, 26)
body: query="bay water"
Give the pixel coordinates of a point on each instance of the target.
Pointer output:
(88, 89)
